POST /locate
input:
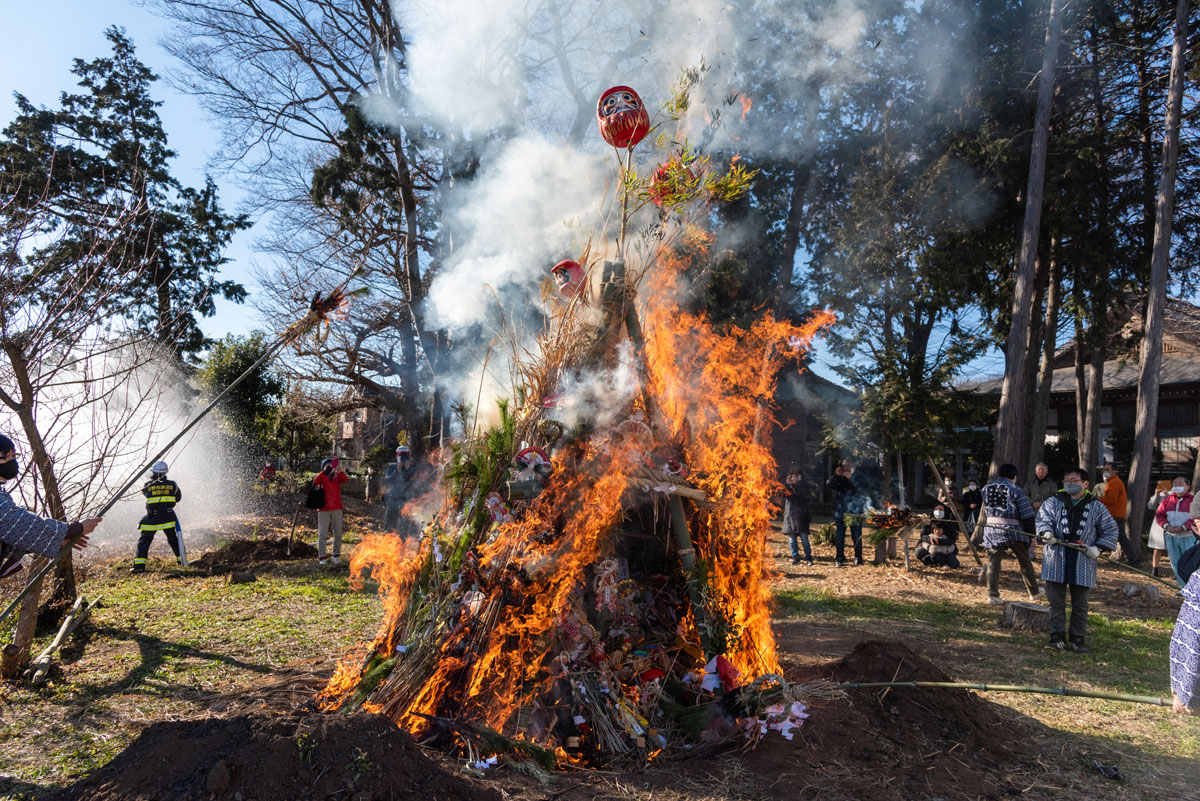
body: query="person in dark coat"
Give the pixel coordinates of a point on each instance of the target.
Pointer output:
(938, 546)
(972, 503)
(796, 519)
(847, 500)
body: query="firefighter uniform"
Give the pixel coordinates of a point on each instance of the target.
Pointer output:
(161, 496)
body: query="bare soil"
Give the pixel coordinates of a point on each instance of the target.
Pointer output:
(242, 554)
(275, 758)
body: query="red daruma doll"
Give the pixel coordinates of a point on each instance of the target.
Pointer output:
(568, 275)
(622, 117)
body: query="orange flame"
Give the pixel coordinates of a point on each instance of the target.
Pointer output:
(491, 640)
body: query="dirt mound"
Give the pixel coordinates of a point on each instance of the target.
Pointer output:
(954, 716)
(358, 757)
(240, 553)
(895, 744)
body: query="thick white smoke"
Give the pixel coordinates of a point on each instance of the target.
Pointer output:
(518, 82)
(99, 436)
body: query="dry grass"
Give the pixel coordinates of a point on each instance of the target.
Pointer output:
(944, 613)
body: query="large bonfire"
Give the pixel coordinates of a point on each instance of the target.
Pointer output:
(595, 587)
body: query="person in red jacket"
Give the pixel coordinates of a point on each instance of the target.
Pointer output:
(329, 517)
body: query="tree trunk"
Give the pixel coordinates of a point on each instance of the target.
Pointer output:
(1146, 420)
(1081, 393)
(162, 328)
(63, 589)
(1089, 437)
(1145, 144)
(1025, 616)
(1041, 408)
(1011, 434)
(1033, 347)
(791, 240)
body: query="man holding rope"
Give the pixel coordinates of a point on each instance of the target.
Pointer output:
(1072, 516)
(22, 532)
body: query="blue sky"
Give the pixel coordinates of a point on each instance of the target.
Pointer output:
(42, 39)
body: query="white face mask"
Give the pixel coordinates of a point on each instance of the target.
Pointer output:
(973, 487)
(939, 513)
(1178, 490)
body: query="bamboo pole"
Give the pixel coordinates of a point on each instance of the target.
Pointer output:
(1083, 549)
(1008, 688)
(313, 317)
(40, 667)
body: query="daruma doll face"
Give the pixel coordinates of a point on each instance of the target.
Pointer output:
(569, 277)
(622, 117)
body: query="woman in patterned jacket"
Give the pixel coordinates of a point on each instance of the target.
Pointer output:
(1185, 640)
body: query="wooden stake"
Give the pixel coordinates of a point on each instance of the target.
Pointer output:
(292, 533)
(38, 670)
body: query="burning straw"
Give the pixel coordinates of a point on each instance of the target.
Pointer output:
(587, 585)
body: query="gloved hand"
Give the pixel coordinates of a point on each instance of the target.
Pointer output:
(1092, 552)
(1047, 537)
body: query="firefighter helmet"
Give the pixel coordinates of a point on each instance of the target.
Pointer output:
(159, 468)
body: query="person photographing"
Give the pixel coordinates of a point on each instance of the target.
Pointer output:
(329, 517)
(23, 532)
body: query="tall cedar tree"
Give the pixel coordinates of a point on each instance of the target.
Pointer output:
(180, 235)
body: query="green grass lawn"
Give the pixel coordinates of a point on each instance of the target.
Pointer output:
(162, 647)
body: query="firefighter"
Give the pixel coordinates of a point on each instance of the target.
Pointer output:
(161, 496)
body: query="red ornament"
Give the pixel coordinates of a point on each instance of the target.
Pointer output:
(622, 117)
(532, 457)
(670, 180)
(569, 276)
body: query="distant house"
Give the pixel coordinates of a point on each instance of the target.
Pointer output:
(1178, 427)
(359, 430)
(803, 402)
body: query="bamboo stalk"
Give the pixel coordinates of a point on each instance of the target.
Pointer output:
(1082, 549)
(40, 667)
(1008, 688)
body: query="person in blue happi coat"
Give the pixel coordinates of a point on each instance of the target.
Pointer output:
(1072, 516)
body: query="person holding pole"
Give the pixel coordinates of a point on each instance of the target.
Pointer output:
(23, 532)
(1072, 516)
(1009, 513)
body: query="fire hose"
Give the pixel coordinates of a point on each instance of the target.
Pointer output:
(318, 312)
